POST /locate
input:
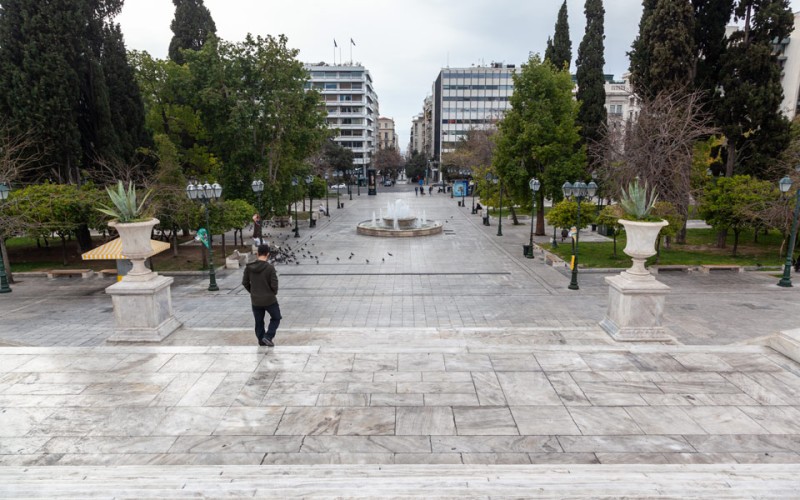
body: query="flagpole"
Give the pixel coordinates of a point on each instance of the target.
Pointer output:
(351, 52)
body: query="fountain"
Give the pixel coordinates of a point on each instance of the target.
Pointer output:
(398, 221)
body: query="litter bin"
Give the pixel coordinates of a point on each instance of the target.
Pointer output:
(486, 220)
(527, 251)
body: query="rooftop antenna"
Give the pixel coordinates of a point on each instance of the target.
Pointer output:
(448, 59)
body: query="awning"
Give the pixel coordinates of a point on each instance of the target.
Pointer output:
(113, 250)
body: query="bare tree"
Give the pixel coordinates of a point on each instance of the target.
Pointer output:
(657, 148)
(388, 161)
(474, 150)
(20, 154)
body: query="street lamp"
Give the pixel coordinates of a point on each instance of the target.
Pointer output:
(500, 216)
(474, 188)
(350, 183)
(205, 193)
(578, 191)
(309, 183)
(784, 185)
(534, 184)
(258, 188)
(338, 175)
(327, 207)
(296, 228)
(4, 288)
(358, 181)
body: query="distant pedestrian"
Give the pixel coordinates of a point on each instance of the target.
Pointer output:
(261, 280)
(257, 234)
(430, 189)
(416, 191)
(322, 209)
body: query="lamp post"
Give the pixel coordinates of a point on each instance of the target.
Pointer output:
(309, 184)
(474, 188)
(350, 183)
(338, 175)
(578, 191)
(534, 184)
(786, 280)
(258, 188)
(327, 207)
(296, 228)
(500, 216)
(4, 288)
(358, 181)
(205, 193)
(490, 178)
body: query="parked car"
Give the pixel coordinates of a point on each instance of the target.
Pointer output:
(338, 187)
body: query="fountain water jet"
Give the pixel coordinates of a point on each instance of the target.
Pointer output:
(398, 221)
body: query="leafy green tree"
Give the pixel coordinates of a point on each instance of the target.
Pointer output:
(670, 49)
(564, 214)
(416, 165)
(591, 82)
(191, 28)
(670, 213)
(733, 203)
(261, 122)
(609, 216)
(538, 136)
(559, 49)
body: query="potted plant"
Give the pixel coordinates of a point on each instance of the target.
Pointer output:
(641, 228)
(133, 224)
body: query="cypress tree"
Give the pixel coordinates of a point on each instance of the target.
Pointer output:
(191, 27)
(591, 82)
(711, 18)
(39, 79)
(750, 93)
(671, 48)
(125, 100)
(640, 50)
(559, 49)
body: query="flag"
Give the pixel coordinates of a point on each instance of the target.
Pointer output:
(352, 42)
(334, 43)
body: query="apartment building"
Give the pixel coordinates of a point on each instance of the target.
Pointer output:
(387, 138)
(416, 135)
(352, 106)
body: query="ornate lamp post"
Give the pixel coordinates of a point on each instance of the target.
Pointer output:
(327, 207)
(258, 188)
(578, 191)
(474, 188)
(534, 184)
(4, 288)
(358, 181)
(494, 180)
(310, 183)
(490, 178)
(296, 228)
(785, 184)
(205, 193)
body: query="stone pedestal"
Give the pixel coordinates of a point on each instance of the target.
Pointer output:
(142, 310)
(787, 343)
(635, 307)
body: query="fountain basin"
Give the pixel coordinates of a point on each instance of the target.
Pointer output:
(366, 228)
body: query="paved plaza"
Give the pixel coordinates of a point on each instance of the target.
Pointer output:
(447, 365)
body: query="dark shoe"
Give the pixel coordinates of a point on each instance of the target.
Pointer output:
(261, 342)
(268, 343)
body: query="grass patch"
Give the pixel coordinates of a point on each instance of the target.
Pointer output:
(699, 249)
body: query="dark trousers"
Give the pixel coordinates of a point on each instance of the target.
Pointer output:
(274, 321)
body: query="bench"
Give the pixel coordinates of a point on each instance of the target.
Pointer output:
(706, 269)
(670, 267)
(107, 272)
(83, 273)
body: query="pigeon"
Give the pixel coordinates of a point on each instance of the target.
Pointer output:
(337, 258)
(390, 255)
(367, 261)
(383, 260)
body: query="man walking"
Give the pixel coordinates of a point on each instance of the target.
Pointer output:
(261, 280)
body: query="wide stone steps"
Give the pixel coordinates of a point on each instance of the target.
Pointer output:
(404, 481)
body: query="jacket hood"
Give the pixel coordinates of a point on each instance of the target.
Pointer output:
(258, 266)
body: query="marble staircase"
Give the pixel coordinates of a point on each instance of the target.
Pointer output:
(409, 481)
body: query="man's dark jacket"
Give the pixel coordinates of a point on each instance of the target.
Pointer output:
(261, 280)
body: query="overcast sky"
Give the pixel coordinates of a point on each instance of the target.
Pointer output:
(402, 43)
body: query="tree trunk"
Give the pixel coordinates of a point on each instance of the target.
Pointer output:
(540, 215)
(658, 249)
(224, 248)
(6, 262)
(64, 249)
(615, 244)
(174, 242)
(735, 240)
(514, 215)
(722, 236)
(84, 238)
(204, 253)
(680, 236)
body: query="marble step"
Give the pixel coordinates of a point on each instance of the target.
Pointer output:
(428, 481)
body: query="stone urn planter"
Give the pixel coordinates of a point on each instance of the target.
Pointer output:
(135, 237)
(641, 237)
(636, 299)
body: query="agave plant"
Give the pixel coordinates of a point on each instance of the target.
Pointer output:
(636, 202)
(125, 208)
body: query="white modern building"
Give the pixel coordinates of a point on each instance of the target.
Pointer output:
(622, 106)
(352, 106)
(465, 99)
(788, 51)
